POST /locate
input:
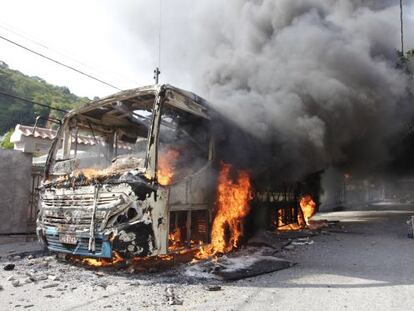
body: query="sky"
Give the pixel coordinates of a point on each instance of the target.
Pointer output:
(89, 35)
(115, 41)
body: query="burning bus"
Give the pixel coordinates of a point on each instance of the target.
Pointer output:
(145, 185)
(157, 178)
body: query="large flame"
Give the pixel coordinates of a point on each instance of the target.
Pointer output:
(174, 239)
(308, 207)
(166, 163)
(232, 206)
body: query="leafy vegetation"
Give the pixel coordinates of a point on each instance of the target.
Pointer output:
(5, 143)
(14, 111)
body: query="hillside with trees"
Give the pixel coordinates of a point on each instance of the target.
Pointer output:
(14, 111)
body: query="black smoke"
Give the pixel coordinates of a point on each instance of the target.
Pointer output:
(309, 83)
(317, 82)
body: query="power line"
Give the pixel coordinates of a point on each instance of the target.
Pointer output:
(31, 102)
(22, 35)
(59, 63)
(65, 54)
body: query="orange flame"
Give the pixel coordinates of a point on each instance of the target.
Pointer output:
(232, 206)
(282, 226)
(308, 207)
(166, 163)
(91, 173)
(100, 262)
(174, 239)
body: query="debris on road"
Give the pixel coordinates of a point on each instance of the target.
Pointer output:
(62, 274)
(16, 283)
(101, 283)
(50, 285)
(42, 277)
(171, 297)
(243, 264)
(212, 288)
(53, 277)
(28, 280)
(302, 241)
(9, 267)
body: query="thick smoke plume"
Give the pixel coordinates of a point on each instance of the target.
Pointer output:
(316, 80)
(318, 77)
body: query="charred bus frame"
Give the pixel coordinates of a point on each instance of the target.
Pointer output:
(126, 209)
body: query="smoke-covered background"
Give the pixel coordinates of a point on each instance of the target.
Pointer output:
(317, 78)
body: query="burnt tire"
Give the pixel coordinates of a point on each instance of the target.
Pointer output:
(134, 241)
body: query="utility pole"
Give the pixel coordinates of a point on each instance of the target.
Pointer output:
(402, 28)
(157, 73)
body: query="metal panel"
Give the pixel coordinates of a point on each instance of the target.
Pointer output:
(103, 247)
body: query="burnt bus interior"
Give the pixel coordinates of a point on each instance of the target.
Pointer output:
(114, 130)
(275, 205)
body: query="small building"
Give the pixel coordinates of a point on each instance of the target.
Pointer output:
(34, 140)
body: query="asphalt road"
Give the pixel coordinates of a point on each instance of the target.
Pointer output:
(368, 265)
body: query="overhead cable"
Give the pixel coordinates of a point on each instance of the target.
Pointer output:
(30, 101)
(59, 63)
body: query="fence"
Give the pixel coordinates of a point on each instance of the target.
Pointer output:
(37, 174)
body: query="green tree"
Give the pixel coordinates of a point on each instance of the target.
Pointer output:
(13, 111)
(5, 143)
